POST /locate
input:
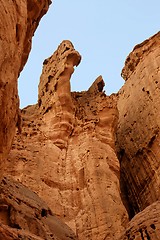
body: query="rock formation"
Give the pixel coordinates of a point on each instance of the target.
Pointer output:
(23, 215)
(18, 21)
(145, 225)
(138, 136)
(83, 165)
(66, 151)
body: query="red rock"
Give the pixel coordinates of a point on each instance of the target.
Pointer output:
(66, 151)
(18, 21)
(145, 225)
(138, 129)
(24, 215)
(64, 148)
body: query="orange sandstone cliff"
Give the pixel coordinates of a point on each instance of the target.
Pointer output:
(66, 151)
(138, 139)
(82, 165)
(18, 21)
(23, 215)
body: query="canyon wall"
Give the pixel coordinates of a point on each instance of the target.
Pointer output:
(23, 215)
(66, 151)
(18, 21)
(145, 225)
(138, 138)
(82, 165)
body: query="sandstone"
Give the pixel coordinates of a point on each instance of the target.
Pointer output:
(83, 165)
(138, 128)
(23, 215)
(145, 225)
(54, 94)
(18, 21)
(66, 151)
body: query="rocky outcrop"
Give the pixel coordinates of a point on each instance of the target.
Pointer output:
(54, 95)
(145, 225)
(64, 148)
(23, 215)
(18, 21)
(66, 151)
(138, 136)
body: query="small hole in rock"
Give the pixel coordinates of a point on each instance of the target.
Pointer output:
(44, 213)
(153, 226)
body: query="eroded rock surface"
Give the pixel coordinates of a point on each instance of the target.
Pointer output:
(138, 137)
(18, 21)
(54, 94)
(145, 225)
(66, 151)
(23, 215)
(64, 148)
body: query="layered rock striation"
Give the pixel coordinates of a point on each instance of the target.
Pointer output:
(138, 136)
(66, 151)
(138, 139)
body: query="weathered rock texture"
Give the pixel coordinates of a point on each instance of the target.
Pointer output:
(18, 205)
(23, 215)
(145, 225)
(138, 137)
(18, 21)
(66, 151)
(64, 148)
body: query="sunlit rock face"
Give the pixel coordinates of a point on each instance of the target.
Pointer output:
(54, 99)
(66, 151)
(138, 138)
(18, 21)
(23, 215)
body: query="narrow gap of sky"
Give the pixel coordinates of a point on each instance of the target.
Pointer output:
(104, 32)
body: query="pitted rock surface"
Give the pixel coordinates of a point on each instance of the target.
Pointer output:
(145, 225)
(64, 148)
(66, 151)
(138, 138)
(18, 21)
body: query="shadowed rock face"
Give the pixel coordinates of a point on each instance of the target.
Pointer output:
(138, 129)
(66, 151)
(145, 225)
(23, 215)
(18, 21)
(138, 138)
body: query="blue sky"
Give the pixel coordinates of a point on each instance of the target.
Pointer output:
(104, 32)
